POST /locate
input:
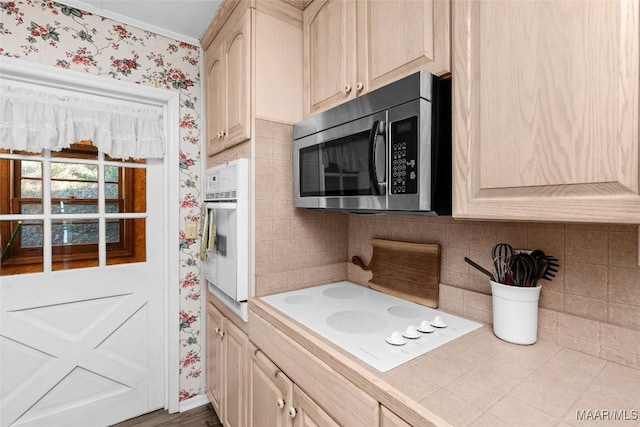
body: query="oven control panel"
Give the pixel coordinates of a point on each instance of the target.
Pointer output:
(404, 156)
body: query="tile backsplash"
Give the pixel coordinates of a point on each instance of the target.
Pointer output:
(598, 278)
(592, 305)
(295, 248)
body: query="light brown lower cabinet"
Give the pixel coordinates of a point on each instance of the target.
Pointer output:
(214, 357)
(346, 403)
(389, 419)
(307, 413)
(227, 377)
(275, 401)
(248, 388)
(270, 393)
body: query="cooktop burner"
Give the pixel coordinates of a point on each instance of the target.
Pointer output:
(380, 329)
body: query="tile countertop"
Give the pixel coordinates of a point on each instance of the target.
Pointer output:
(480, 380)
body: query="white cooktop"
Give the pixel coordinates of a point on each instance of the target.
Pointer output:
(380, 329)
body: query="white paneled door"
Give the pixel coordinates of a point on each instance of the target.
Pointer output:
(85, 347)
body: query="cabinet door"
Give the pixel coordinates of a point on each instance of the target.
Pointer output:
(238, 75)
(546, 110)
(214, 357)
(308, 413)
(215, 93)
(270, 394)
(399, 37)
(389, 419)
(235, 376)
(329, 33)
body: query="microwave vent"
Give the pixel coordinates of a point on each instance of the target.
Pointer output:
(220, 195)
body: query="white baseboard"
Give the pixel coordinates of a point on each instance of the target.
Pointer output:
(194, 402)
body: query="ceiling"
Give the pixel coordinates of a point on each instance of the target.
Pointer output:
(185, 20)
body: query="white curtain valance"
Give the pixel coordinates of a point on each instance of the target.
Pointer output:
(33, 119)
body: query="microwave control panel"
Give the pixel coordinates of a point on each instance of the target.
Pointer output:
(404, 155)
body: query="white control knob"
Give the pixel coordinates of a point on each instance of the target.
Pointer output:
(280, 403)
(411, 332)
(396, 339)
(438, 322)
(293, 412)
(425, 327)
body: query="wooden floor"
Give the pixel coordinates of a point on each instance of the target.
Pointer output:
(202, 416)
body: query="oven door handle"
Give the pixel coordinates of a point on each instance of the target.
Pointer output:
(229, 206)
(373, 144)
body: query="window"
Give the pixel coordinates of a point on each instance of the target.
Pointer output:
(70, 192)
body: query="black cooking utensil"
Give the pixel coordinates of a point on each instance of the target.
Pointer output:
(547, 265)
(502, 250)
(479, 268)
(523, 270)
(500, 255)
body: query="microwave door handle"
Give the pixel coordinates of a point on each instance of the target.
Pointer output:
(376, 130)
(373, 176)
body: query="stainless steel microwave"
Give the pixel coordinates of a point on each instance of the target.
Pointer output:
(388, 150)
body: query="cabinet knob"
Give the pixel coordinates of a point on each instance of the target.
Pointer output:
(347, 89)
(216, 330)
(281, 403)
(293, 412)
(221, 334)
(222, 134)
(359, 86)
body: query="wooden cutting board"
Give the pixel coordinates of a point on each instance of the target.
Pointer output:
(406, 270)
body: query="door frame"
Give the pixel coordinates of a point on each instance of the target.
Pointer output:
(12, 69)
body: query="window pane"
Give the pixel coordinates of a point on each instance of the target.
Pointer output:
(31, 189)
(111, 174)
(67, 207)
(133, 250)
(74, 232)
(15, 258)
(5, 185)
(112, 207)
(73, 171)
(130, 195)
(136, 190)
(30, 208)
(111, 191)
(78, 190)
(31, 234)
(31, 169)
(113, 231)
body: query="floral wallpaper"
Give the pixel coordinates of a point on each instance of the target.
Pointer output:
(52, 33)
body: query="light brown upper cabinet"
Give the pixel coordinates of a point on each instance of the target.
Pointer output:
(253, 59)
(228, 84)
(546, 110)
(215, 93)
(353, 47)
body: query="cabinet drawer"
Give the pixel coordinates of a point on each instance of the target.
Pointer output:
(345, 402)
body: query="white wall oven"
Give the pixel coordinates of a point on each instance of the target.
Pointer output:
(225, 234)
